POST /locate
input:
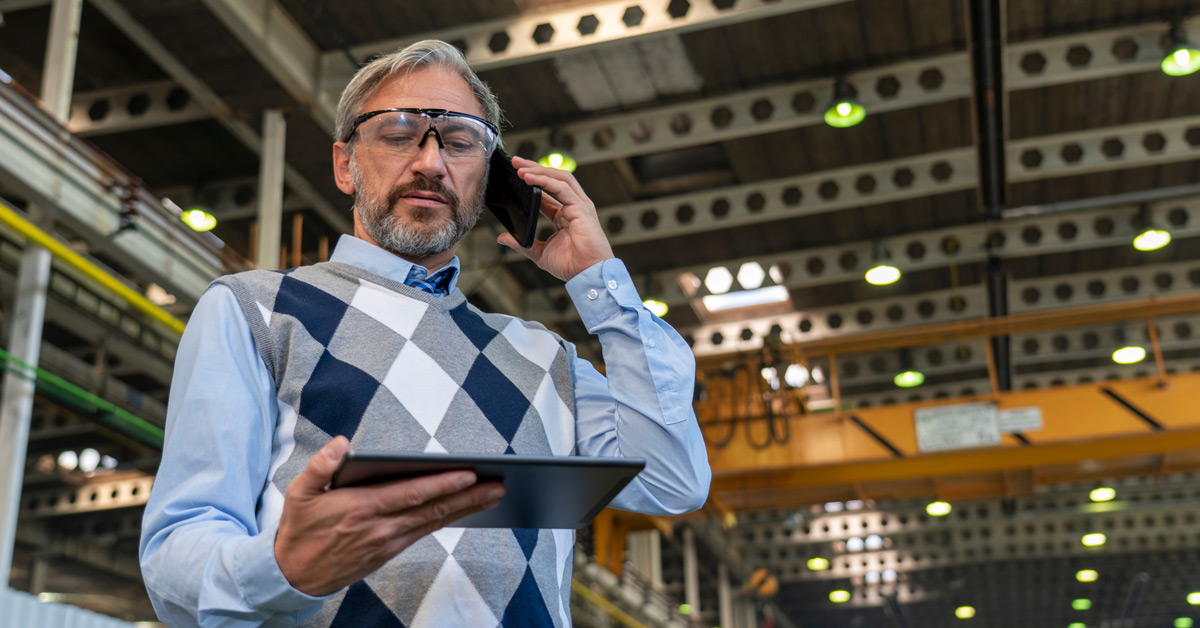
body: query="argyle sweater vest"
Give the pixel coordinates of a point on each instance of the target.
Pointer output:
(395, 369)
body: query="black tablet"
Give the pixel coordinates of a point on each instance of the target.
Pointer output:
(564, 492)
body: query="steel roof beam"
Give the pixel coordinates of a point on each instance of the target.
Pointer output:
(1034, 530)
(237, 127)
(133, 107)
(941, 306)
(904, 85)
(1031, 235)
(531, 36)
(266, 29)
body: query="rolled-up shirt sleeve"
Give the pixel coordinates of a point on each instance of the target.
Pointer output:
(205, 560)
(642, 406)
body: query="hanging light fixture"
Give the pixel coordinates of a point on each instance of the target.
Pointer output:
(908, 377)
(557, 156)
(1128, 353)
(198, 219)
(882, 272)
(1182, 57)
(844, 111)
(1150, 237)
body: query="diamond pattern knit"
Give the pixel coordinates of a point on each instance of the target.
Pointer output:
(396, 369)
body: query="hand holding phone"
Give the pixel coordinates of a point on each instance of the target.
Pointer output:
(515, 204)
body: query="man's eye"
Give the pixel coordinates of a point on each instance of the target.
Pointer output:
(459, 145)
(397, 139)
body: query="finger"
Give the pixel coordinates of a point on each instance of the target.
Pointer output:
(411, 493)
(320, 468)
(550, 206)
(561, 190)
(413, 534)
(447, 505)
(556, 174)
(534, 252)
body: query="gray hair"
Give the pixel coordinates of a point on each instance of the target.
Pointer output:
(422, 54)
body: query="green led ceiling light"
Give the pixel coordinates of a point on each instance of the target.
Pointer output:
(938, 509)
(882, 272)
(908, 377)
(844, 111)
(1182, 57)
(198, 219)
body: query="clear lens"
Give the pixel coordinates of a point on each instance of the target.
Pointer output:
(401, 133)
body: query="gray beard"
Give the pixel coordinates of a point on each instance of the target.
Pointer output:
(413, 241)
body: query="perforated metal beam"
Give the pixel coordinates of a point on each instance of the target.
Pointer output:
(751, 112)
(829, 322)
(1031, 64)
(91, 497)
(1048, 524)
(1023, 237)
(133, 107)
(529, 36)
(1043, 293)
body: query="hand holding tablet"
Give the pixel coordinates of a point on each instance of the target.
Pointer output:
(564, 492)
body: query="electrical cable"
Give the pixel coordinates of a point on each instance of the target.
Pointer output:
(722, 442)
(758, 386)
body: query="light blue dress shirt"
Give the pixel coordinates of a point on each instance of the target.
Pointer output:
(207, 557)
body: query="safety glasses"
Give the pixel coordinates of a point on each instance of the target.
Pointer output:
(404, 132)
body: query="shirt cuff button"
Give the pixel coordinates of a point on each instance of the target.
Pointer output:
(612, 284)
(592, 294)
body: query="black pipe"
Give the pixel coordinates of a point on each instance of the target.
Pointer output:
(997, 286)
(1137, 589)
(986, 60)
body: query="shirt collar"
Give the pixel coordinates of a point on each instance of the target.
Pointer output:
(355, 252)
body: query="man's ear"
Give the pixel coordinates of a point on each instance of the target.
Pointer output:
(341, 168)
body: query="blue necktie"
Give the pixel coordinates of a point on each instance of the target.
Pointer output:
(437, 285)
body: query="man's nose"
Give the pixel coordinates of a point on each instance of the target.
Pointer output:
(429, 160)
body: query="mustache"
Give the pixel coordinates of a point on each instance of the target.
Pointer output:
(421, 184)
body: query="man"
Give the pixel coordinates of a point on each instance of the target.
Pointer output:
(278, 373)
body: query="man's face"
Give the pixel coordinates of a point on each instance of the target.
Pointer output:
(416, 206)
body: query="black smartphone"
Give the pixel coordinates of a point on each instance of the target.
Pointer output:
(515, 203)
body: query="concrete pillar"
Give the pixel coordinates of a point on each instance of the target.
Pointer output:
(644, 551)
(724, 596)
(38, 570)
(751, 614)
(691, 572)
(29, 307)
(270, 190)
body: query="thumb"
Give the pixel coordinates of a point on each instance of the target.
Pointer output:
(319, 471)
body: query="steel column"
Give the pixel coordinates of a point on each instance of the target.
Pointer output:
(724, 595)
(29, 309)
(691, 572)
(270, 190)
